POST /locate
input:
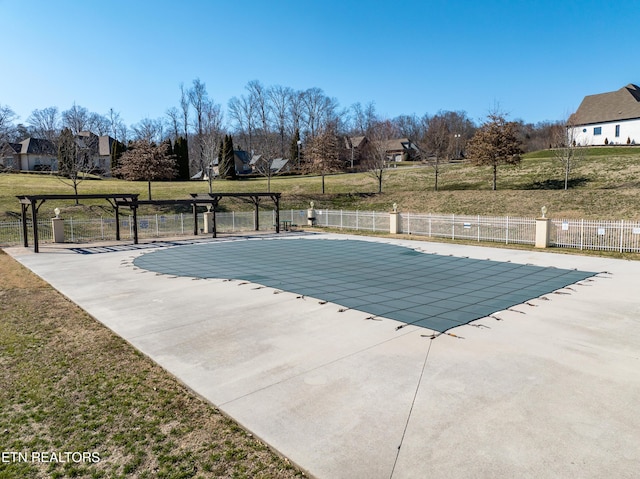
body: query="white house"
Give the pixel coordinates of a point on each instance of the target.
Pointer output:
(611, 118)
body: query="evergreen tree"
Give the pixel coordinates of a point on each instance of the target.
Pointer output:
(294, 151)
(181, 152)
(228, 172)
(117, 149)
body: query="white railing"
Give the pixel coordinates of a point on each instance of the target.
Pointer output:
(479, 228)
(622, 236)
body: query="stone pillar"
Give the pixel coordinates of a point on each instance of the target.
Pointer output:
(208, 222)
(395, 222)
(57, 227)
(543, 232)
(311, 217)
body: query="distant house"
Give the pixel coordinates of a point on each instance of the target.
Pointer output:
(356, 148)
(32, 154)
(241, 160)
(402, 149)
(37, 154)
(611, 118)
(276, 165)
(9, 156)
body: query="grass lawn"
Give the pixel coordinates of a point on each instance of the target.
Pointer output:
(71, 385)
(604, 185)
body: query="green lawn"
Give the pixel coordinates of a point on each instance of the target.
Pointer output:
(604, 185)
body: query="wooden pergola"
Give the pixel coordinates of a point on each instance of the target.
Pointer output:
(130, 200)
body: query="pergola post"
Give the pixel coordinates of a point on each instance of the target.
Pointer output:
(25, 230)
(117, 222)
(256, 214)
(276, 200)
(34, 219)
(195, 218)
(134, 208)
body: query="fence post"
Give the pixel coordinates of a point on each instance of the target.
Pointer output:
(356, 220)
(374, 220)
(478, 228)
(429, 225)
(71, 225)
(340, 219)
(453, 227)
(506, 233)
(581, 233)
(157, 226)
(542, 232)
(621, 234)
(101, 227)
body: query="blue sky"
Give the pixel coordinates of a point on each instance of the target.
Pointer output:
(535, 60)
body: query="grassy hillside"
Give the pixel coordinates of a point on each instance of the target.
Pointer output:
(604, 184)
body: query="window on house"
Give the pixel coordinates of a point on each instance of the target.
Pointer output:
(617, 131)
(597, 130)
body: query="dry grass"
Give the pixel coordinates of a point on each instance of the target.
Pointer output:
(604, 185)
(70, 384)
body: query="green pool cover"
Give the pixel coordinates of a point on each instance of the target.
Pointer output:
(429, 290)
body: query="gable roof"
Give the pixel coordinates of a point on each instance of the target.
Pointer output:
(37, 146)
(355, 141)
(401, 144)
(623, 104)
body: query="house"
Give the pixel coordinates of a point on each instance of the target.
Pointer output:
(32, 154)
(276, 165)
(9, 155)
(37, 154)
(356, 148)
(402, 149)
(611, 118)
(241, 160)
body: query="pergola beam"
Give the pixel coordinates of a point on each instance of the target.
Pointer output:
(131, 201)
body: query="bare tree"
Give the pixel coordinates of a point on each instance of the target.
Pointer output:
(279, 101)
(7, 116)
(98, 124)
(495, 143)
(318, 110)
(74, 157)
(409, 126)
(375, 163)
(149, 130)
(436, 143)
(199, 100)
(242, 113)
(567, 151)
(45, 123)
(173, 118)
(212, 132)
(322, 153)
(184, 106)
(295, 112)
(362, 118)
(144, 161)
(76, 119)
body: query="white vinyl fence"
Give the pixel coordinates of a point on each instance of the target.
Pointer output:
(622, 236)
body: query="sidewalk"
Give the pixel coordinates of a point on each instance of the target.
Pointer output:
(548, 389)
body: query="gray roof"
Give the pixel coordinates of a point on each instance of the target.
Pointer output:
(37, 146)
(623, 104)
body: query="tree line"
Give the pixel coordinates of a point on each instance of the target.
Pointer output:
(262, 120)
(308, 127)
